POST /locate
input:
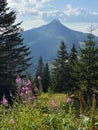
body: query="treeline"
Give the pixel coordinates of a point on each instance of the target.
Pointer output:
(73, 72)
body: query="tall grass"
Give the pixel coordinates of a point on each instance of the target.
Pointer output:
(46, 112)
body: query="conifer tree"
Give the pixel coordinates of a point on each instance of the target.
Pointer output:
(40, 66)
(39, 71)
(74, 69)
(46, 78)
(61, 71)
(14, 55)
(89, 67)
(73, 55)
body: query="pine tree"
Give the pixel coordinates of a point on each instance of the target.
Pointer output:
(74, 69)
(46, 78)
(14, 55)
(73, 58)
(61, 72)
(39, 71)
(40, 66)
(89, 67)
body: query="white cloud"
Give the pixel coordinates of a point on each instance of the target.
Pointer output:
(83, 27)
(37, 12)
(94, 13)
(31, 23)
(45, 1)
(25, 7)
(73, 11)
(16, 3)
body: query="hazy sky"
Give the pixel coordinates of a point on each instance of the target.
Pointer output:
(75, 14)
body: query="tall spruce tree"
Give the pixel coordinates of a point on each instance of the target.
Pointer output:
(40, 66)
(39, 71)
(89, 67)
(61, 71)
(74, 69)
(73, 58)
(14, 55)
(46, 78)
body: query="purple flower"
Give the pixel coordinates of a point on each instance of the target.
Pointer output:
(32, 98)
(28, 83)
(18, 80)
(12, 121)
(68, 100)
(81, 115)
(27, 91)
(4, 101)
(53, 104)
(21, 94)
(23, 88)
(36, 89)
(39, 78)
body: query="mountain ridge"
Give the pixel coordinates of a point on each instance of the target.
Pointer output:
(45, 40)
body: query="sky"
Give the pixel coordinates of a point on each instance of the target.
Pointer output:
(78, 15)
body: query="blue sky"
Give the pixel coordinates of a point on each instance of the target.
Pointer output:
(75, 14)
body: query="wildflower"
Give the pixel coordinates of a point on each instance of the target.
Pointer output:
(28, 83)
(12, 121)
(4, 101)
(18, 80)
(53, 104)
(32, 98)
(68, 100)
(25, 90)
(36, 89)
(39, 78)
(21, 94)
(81, 115)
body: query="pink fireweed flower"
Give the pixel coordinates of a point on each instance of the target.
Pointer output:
(23, 88)
(32, 98)
(53, 104)
(81, 115)
(68, 100)
(4, 101)
(39, 78)
(12, 121)
(36, 89)
(27, 92)
(28, 83)
(18, 80)
(21, 94)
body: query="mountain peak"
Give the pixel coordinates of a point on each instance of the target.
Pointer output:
(55, 21)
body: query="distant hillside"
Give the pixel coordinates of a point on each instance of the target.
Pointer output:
(45, 40)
